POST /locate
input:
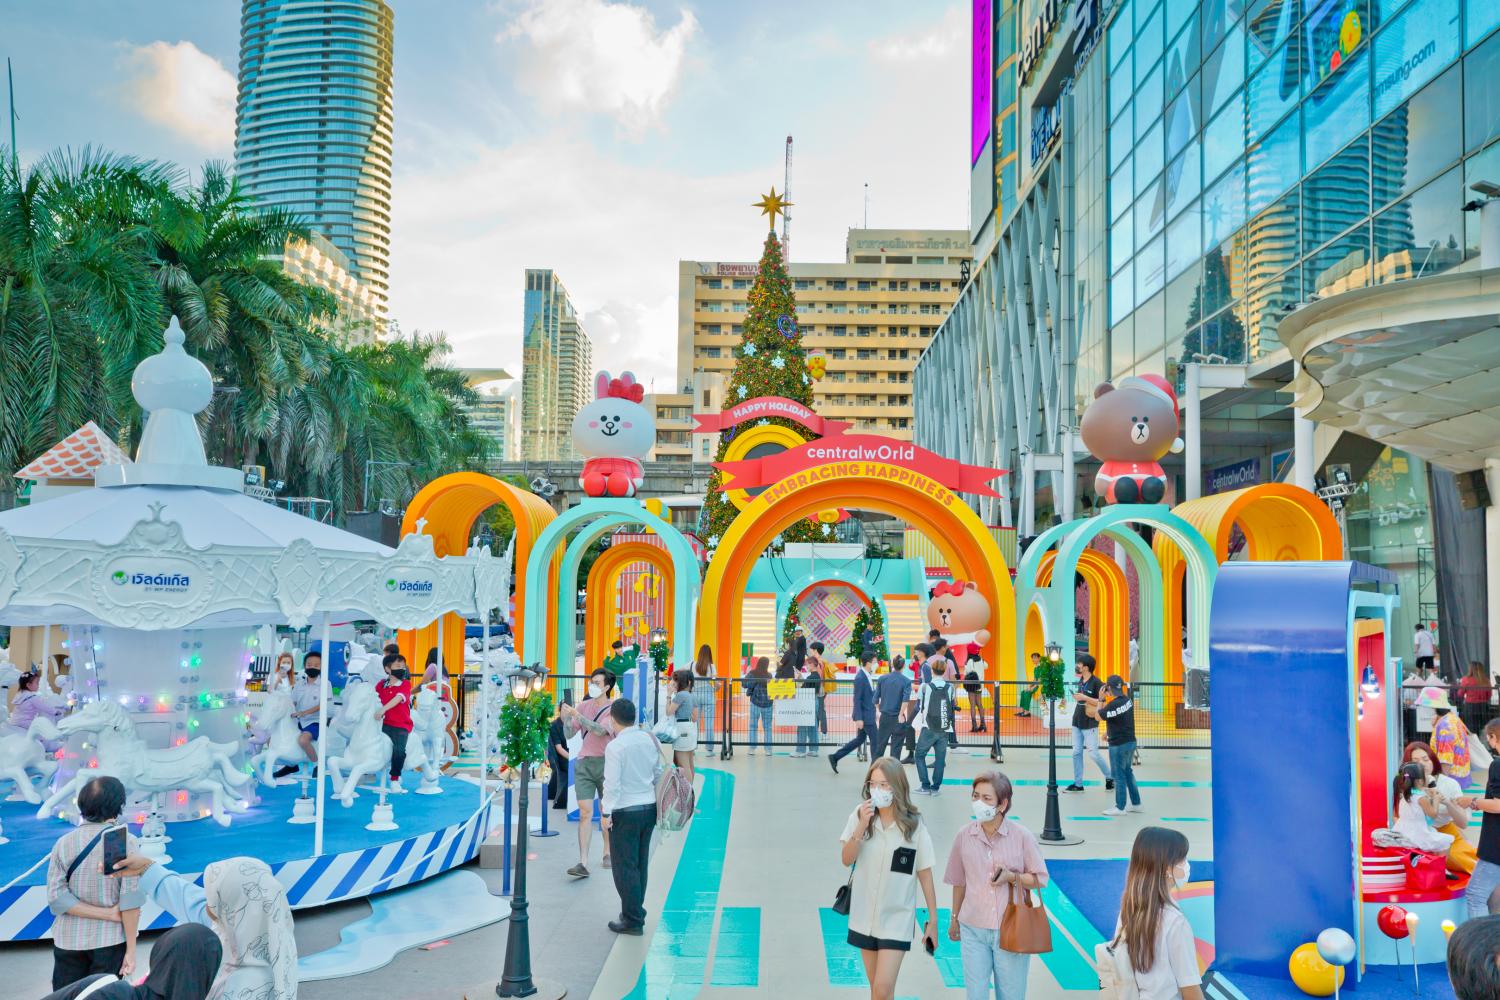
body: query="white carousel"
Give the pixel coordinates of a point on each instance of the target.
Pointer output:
(161, 576)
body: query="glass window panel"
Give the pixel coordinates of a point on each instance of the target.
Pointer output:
(1122, 239)
(1331, 37)
(1121, 33)
(1483, 167)
(1179, 124)
(1182, 301)
(1178, 13)
(1121, 139)
(1272, 244)
(1148, 42)
(1416, 141)
(1150, 324)
(1482, 94)
(1342, 265)
(1144, 9)
(1182, 57)
(1224, 139)
(1217, 290)
(1224, 71)
(1119, 93)
(1272, 92)
(1480, 18)
(1149, 214)
(1224, 206)
(1423, 234)
(1121, 348)
(1148, 102)
(1273, 164)
(1122, 292)
(1337, 111)
(1184, 242)
(1265, 307)
(1149, 158)
(1214, 20)
(1222, 336)
(1413, 49)
(1336, 196)
(1120, 191)
(1149, 274)
(1269, 23)
(1183, 180)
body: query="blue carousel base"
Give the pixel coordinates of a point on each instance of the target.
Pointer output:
(435, 833)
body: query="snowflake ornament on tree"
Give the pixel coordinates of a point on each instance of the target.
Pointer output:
(778, 362)
(748, 350)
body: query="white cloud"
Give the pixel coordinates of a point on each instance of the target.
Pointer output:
(600, 56)
(947, 37)
(185, 90)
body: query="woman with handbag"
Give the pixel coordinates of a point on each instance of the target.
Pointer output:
(890, 850)
(1153, 944)
(993, 866)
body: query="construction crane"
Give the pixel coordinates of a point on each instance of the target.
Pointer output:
(786, 215)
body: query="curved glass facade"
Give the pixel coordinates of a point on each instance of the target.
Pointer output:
(1263, 152)
(314, 119)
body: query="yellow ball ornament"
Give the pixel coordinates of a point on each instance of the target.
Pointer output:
(1311, 974)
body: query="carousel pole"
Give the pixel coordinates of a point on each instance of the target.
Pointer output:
(484, 701)
(322, 764)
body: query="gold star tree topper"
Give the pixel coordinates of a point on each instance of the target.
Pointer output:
(773, 205)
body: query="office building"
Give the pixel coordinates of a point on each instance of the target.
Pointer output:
(557, 368)
(702, 392)
(313, 122)
(496, 414)
(361, 313)
(870, 315)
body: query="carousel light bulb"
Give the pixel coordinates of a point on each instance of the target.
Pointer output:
(1411, 922)
(124, 700)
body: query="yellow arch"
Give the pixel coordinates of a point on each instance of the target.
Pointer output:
(601, 593)
(1280, 522)
(1109, 608)
(962, 538)
(752, 437)
(450, 505)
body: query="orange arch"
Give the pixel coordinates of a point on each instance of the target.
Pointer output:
(1036, 635)
(450, 505)
(960, 536)
(1280, 522)
(601, 593)
(1109, 607)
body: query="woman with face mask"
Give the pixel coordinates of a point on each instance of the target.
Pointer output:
(992, 860)
(1153, 943)
(891, 851)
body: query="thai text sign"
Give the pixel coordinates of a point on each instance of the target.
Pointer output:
(859, 450)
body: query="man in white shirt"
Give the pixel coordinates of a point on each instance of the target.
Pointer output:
(628, 811)
(1423, 649)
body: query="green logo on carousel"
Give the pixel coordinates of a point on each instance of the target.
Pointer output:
(390, 585)
(119, 576)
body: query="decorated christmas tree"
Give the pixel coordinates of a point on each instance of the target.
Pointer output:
(769, 361)
(857, 633)
(793, 619)
(875, 622)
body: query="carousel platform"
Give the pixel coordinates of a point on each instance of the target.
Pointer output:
(436, 833)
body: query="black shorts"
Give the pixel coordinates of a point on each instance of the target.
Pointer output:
(866, 943)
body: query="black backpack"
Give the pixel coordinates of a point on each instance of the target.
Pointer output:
(940, 707)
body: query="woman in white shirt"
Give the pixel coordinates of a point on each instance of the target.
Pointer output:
(891, 851)
(1451, 817)
(1153, 944)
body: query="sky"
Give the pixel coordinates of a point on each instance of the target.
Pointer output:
(607, 140)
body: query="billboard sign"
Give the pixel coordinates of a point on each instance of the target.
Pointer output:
(1232, 476)
(982, 79)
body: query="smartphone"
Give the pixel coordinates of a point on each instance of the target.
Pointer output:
(927, 943)
(115, 847)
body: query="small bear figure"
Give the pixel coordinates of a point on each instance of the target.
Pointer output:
(1129, 428)
(960, 613)
(614, 432)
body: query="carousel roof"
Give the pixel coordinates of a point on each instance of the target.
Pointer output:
(76, 456)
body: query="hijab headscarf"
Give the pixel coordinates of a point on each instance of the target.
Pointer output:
(254, 924)
(184, 962)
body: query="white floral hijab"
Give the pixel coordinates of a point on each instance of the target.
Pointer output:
(254, 923)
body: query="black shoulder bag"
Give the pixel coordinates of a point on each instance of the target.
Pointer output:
(841, 898)
(87, 849)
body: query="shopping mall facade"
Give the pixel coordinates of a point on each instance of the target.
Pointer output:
(1219, 191)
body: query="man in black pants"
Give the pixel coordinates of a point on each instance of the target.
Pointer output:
(892, 692)
(863, 714)
(628, 812)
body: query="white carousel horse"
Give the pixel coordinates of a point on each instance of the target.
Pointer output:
(275, 719)
(21, 753)
(369, 749)
(198, 766)
(426, 748)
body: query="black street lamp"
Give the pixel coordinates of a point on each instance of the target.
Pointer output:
(1052, 833)
(515, 979)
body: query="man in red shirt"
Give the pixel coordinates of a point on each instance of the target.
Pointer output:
(395, 713)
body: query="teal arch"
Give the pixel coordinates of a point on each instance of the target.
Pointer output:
(597, 516)
(1071, 537)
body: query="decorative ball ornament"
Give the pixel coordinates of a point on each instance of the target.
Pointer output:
(1311, 974)
(1392, 922)
(1336, 947)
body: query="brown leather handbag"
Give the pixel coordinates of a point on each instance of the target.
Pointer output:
(1025, 930)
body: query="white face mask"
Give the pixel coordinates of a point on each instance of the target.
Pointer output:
(1180, 875)
(982, 811)
(881, 797)
(595, 690)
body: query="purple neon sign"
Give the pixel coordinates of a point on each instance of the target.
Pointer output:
(982, 84)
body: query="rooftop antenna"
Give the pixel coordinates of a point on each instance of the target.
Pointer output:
(10, 80)
(786, 216)
(867, 205)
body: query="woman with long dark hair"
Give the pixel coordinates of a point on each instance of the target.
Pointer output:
(705, 689)
(1153, 944)
(1451, 817)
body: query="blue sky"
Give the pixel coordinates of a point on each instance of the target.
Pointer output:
(605, 139)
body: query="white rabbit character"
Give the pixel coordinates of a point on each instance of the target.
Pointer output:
(614, 433)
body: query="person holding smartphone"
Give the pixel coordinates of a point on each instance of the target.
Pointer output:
(990, 857)
(891, 851)
(96, 916)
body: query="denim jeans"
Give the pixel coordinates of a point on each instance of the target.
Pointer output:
(1120, 757)
(1087, 738)
(705, 703)
(937, 741)
(988, 965)
(807, 740)
(762, 717)
(1483, 882)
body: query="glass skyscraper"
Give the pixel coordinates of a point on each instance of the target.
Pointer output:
(314, 119)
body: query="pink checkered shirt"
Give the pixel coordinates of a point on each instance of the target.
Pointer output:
(975, 857)
(89, 884)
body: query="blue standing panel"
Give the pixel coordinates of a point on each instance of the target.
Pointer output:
(1282, 706)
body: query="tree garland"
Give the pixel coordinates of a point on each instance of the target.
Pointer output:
(523, 728)
(660, 653)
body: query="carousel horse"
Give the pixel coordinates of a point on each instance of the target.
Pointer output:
(20, 753)
(10, 676)
(200, 765)
(369, 749)
(426, 748)
(275, 719)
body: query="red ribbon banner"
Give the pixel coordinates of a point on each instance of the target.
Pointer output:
(953, 474)
(768, 406)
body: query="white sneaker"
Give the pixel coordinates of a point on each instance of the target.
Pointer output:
(1112, 811)
(1134, 809)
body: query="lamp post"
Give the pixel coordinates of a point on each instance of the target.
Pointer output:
(515, 979)
(1052, 833)
(658, 651)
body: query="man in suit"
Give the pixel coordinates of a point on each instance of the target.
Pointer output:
(863, 713)
(892, 693)
(799, 648)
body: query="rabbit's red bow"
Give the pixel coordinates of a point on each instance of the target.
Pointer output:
(621, 390)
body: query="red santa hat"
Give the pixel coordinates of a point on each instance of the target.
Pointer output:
(1156, 385)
